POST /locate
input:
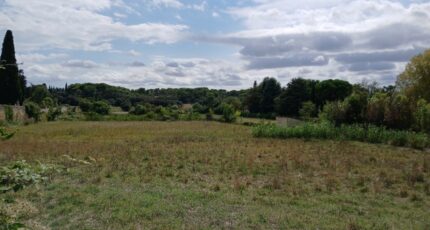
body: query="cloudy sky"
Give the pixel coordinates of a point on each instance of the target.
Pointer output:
(214, 43)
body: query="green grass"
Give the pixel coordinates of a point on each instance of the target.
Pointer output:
(370, 134)
(210, 175)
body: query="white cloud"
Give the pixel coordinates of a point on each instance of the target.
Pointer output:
(285, 36)
(78, 24)
(165, 3)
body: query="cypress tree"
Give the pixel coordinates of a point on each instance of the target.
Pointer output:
(12, 82)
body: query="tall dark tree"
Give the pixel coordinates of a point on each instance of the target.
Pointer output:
(297, 92)
(270, 89)
(332, 90)
(253, 98)
(12, 82)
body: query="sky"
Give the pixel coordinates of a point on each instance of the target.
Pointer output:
(214, 43)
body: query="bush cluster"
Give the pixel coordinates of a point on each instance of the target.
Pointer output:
(368, 133)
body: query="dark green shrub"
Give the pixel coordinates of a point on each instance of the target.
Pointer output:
(85, 105)
(8, 113)
(33, 111)
(100, 107)
(53, 113)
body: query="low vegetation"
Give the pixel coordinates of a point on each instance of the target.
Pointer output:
(170, 175)
(368, 133)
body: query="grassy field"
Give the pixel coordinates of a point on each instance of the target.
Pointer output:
(204, 175)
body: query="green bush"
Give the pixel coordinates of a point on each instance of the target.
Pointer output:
(370, 133)
(33, 111)
(100, 107)
(53, 113)
(229, 114)
(20, 174)
(8, 113)
(308, 110)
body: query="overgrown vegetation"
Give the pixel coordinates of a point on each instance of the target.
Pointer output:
(368, 133)
(173, 175)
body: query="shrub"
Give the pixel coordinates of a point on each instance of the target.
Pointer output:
(371, 134)
(33, 111)
(308, 110)
(85, 105)
(4, 134)
(228, 113)
(100, 107)
(334, 112)
(53, 113)
(8, 113)
(47, 102)
(422, 116)
(20, 174)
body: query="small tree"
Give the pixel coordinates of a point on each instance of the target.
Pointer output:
(229, 114)
(334, 112)
(32, 110)
(308, 110)
(101, 107)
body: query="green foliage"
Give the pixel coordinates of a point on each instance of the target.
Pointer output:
(53, 113)
(376, 108)
(334, 112)
(414, 82)
(47, 102)
(39, 93)
(9, 223)
(332, 90)
(308, 110)
(371, 134)
(4, 134)
(297, 92)
(99, 107)
(229, 114)
(8, 113)
(422, 116)
(32, 110)
(398, 112)
(20, 174)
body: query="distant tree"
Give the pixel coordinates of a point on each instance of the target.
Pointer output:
(32, 110)
(308, 110)
(332, 90)
(270, 89)
(398, 112)
(253, 99)
(355, 105)
(39, 93)
(414, 82)
(11, 81)
(297, 92)
(376, 108)
(334, 112)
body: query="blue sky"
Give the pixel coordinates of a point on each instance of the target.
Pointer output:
(216, 44)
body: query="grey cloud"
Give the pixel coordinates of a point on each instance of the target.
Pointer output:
(137, 64)
(371, 66)
(384, 56)
(395, 35)
(292, 61)
(81, 64)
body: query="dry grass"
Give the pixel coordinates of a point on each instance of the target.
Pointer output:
(212, 175)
